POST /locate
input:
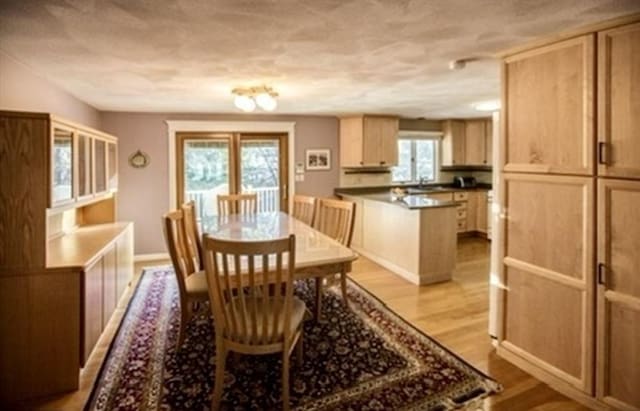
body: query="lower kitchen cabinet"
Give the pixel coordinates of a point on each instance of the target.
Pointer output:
(91, 309)
(618, 295)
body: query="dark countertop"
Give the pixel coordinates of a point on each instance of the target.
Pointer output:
(437, 188)
(411, 202)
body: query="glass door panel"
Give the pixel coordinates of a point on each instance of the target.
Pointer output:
(112, 153)
(260, 171)
(62, 167)
(100, 158)
(84, 165)
(206, 165)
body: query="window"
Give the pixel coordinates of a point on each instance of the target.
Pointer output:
(416, 160)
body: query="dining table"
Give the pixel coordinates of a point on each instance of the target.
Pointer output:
(316, 255)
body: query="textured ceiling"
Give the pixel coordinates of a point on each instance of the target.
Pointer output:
(322, 56)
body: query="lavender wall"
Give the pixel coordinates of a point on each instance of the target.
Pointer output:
(23, 90)
(144, 193)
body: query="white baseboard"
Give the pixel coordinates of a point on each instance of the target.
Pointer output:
(138, 258)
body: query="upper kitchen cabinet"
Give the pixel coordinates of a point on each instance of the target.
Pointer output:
(548, 96)
(369, 141)
(619, 101)
(453, 143)
(475, 142)
(467, 142)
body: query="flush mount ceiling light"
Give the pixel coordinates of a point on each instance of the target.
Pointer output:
(491, 105)
(246, 99)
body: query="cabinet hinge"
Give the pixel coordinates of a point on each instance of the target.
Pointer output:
(602, 274)
(603, 153)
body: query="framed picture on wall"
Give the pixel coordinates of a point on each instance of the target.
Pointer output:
(318, 159)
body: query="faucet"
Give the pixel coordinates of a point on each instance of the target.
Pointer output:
(422, 182)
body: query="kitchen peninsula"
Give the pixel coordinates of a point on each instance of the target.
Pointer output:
(414, 236)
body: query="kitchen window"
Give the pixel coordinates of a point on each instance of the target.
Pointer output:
(417, 160)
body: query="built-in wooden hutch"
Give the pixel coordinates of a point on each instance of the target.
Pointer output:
(64, 259)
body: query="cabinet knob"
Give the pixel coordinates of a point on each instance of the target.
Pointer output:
(383, 162)
(362, 163)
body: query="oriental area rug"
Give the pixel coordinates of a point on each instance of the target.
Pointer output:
(360, 358)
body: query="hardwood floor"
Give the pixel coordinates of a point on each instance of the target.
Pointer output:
(454, 313)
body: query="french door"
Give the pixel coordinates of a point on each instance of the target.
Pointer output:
(210, 164)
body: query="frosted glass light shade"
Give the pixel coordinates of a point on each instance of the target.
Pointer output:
(244, 103)
(266, 101)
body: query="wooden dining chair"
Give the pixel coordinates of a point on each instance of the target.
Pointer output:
(192, 282)
(237, 204)
(264, 317)
(334, 218)
(304, 208)
(192, 235)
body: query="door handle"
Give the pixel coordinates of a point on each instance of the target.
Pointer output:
(602, 274)
(603, 155)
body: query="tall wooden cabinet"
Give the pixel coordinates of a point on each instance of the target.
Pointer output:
(570, 306)
(64, 261)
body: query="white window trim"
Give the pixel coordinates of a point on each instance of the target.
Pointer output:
(180, 126)
(422, 135)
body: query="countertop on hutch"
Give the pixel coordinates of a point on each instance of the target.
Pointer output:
(80, 248)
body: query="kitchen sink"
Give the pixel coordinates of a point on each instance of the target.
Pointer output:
(425, 190)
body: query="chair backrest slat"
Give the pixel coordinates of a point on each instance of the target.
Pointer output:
(249, 281)
(335, 218)
(304, 208)
(176, 240)
(194, 242)
(237, 204)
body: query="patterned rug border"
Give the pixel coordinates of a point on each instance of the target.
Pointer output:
(92, 396)
(424, 334)
(492, 386)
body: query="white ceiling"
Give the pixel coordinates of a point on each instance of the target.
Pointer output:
(322, 56)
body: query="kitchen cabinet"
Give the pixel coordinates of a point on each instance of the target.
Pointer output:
(453, 143)
(467, 142)
(619, 102)
(100, 166)
(475, 142)
(368, 141)
(549, 108)
(618, 294)
(481, 212)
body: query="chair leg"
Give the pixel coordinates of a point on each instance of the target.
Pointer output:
(285, 379)
(343, 286)
(221, 356)
(318, 298)
(300, 350)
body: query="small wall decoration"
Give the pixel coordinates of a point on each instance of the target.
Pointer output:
(318, 159)
(139, 159)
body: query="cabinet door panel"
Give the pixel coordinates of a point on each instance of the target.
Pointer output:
(351, 130)
(545, 320)
(109, 296)
(619, 296)
(63, 178)
(92, 310)
(112, 154)
(100, 166)
(390, 142)
(489, 143)
(85, 166)
(549, 223)
(453, 144)
(124, 255)
(549, 108)
(474, 138)
(619, 100)
(481, 216)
